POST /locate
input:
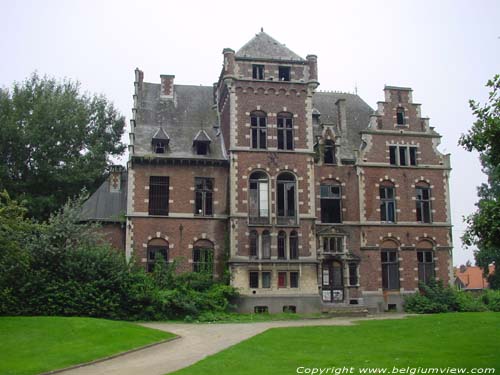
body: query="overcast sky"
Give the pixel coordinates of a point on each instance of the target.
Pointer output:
(444, 50)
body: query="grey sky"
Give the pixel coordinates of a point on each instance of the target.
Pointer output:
(444, 50)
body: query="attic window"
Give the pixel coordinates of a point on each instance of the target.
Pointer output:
(201, 143)
(159, 147)
(400, 116)
(284, 73)
(201, 148)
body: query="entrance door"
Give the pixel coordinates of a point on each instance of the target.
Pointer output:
(333, 281)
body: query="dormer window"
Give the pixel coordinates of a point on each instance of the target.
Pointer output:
(258, 71)
(400, 116)
(201, 143)
(160, 141)
(329, 154)
(284, 73)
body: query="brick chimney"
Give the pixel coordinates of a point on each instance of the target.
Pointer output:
(341, 113)
(167, 86)
(229, 62)
(312, 62)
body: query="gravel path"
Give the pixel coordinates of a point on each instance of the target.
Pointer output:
(195, 343)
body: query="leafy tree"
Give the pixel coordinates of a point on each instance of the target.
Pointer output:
(54, 141)
(484, 225)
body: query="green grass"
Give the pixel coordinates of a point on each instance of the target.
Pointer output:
(455, 340)
(31, 345)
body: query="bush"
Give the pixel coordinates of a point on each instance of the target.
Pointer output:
(467, 302)
(491, 299)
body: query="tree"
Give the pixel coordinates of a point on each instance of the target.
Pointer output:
(483, 226)
(54, 141)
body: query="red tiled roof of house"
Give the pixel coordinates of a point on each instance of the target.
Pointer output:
(472, 277)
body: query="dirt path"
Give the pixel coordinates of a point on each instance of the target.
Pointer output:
(196, 342)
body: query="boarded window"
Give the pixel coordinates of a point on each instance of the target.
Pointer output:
(158, 195)
(331, 203)
(203, 196)
(390, 269)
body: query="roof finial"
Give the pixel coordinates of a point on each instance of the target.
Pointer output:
(261, 29)
(356, 88)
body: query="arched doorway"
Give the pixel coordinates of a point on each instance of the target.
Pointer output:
(332, 281)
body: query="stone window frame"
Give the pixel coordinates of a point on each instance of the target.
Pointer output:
(390, 268)
(264, 178)
(331, 183)
(421, 203)
(291, 180)
(285, 131)
(385, 202)
(258, 130)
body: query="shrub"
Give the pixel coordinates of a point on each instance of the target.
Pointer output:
(421, 304)
(492, 299)
(467, 302)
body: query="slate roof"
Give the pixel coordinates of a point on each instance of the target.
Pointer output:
(202, 136)
(357, 117)
(182, 118)
(104, 205)
(161, 134)
(262, 46)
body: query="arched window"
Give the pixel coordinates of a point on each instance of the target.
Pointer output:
(329, 153)
(258, 201)
(285, 131)
(254, 244)
(281, 245)
(266, 245)
(387, 202)
(400, 116)
(294, 245)
(157, 251)
(203, 257)
(258, 124)
(287, 207)
(423, 203)
(331, 202)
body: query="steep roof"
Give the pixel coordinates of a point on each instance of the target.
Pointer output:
(161, 134)
(104, 205)
(472, 277)
(181, 118)
(263, 46)
(202, 136)
(357, 118)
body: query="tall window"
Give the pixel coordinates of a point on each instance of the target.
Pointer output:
(203, 259)
(282, 279)
(333, 244)
(294, 279)
(157, 250)
(259, 198)
(254, 244)
(287, 214)
(329, 153)
(400, 116)
(294, 245)
(266, 279)
(203, 196)
(253, 278)
(387, 204)
(423, 202)
(285, 131)
(390, 269)
(158, 195)
(425, 266)
(353, 274)
(258, 71)
(266, 245)
(258, 124)
(403, 155)
(331, 207)
(281, 245)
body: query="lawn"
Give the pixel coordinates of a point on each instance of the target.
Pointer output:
(31, 345)
(454, 340)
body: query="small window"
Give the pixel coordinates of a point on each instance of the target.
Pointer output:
(290, 309)
(403, 155)
(294, 279)
(333, 245)
(203, 196)
(400, 116)
(159, 147)
(266, 279)
(201, 148)
(254, 279)
(155, 253)
(353, 274)
(261, 309)
(158, 195)
(423, 203)
(258, 71)
(294, 245)
(203, 260)
(353, 302)
(281, 245)
(281, 279)
(387, 204)
(392, 307)
(329, 153)
(284, 73)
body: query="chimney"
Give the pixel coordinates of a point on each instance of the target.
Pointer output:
(115, 178)
(312, 62)
(167, 86)
(341, 114)
(229, 62)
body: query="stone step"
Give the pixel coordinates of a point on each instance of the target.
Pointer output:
(331, 311)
